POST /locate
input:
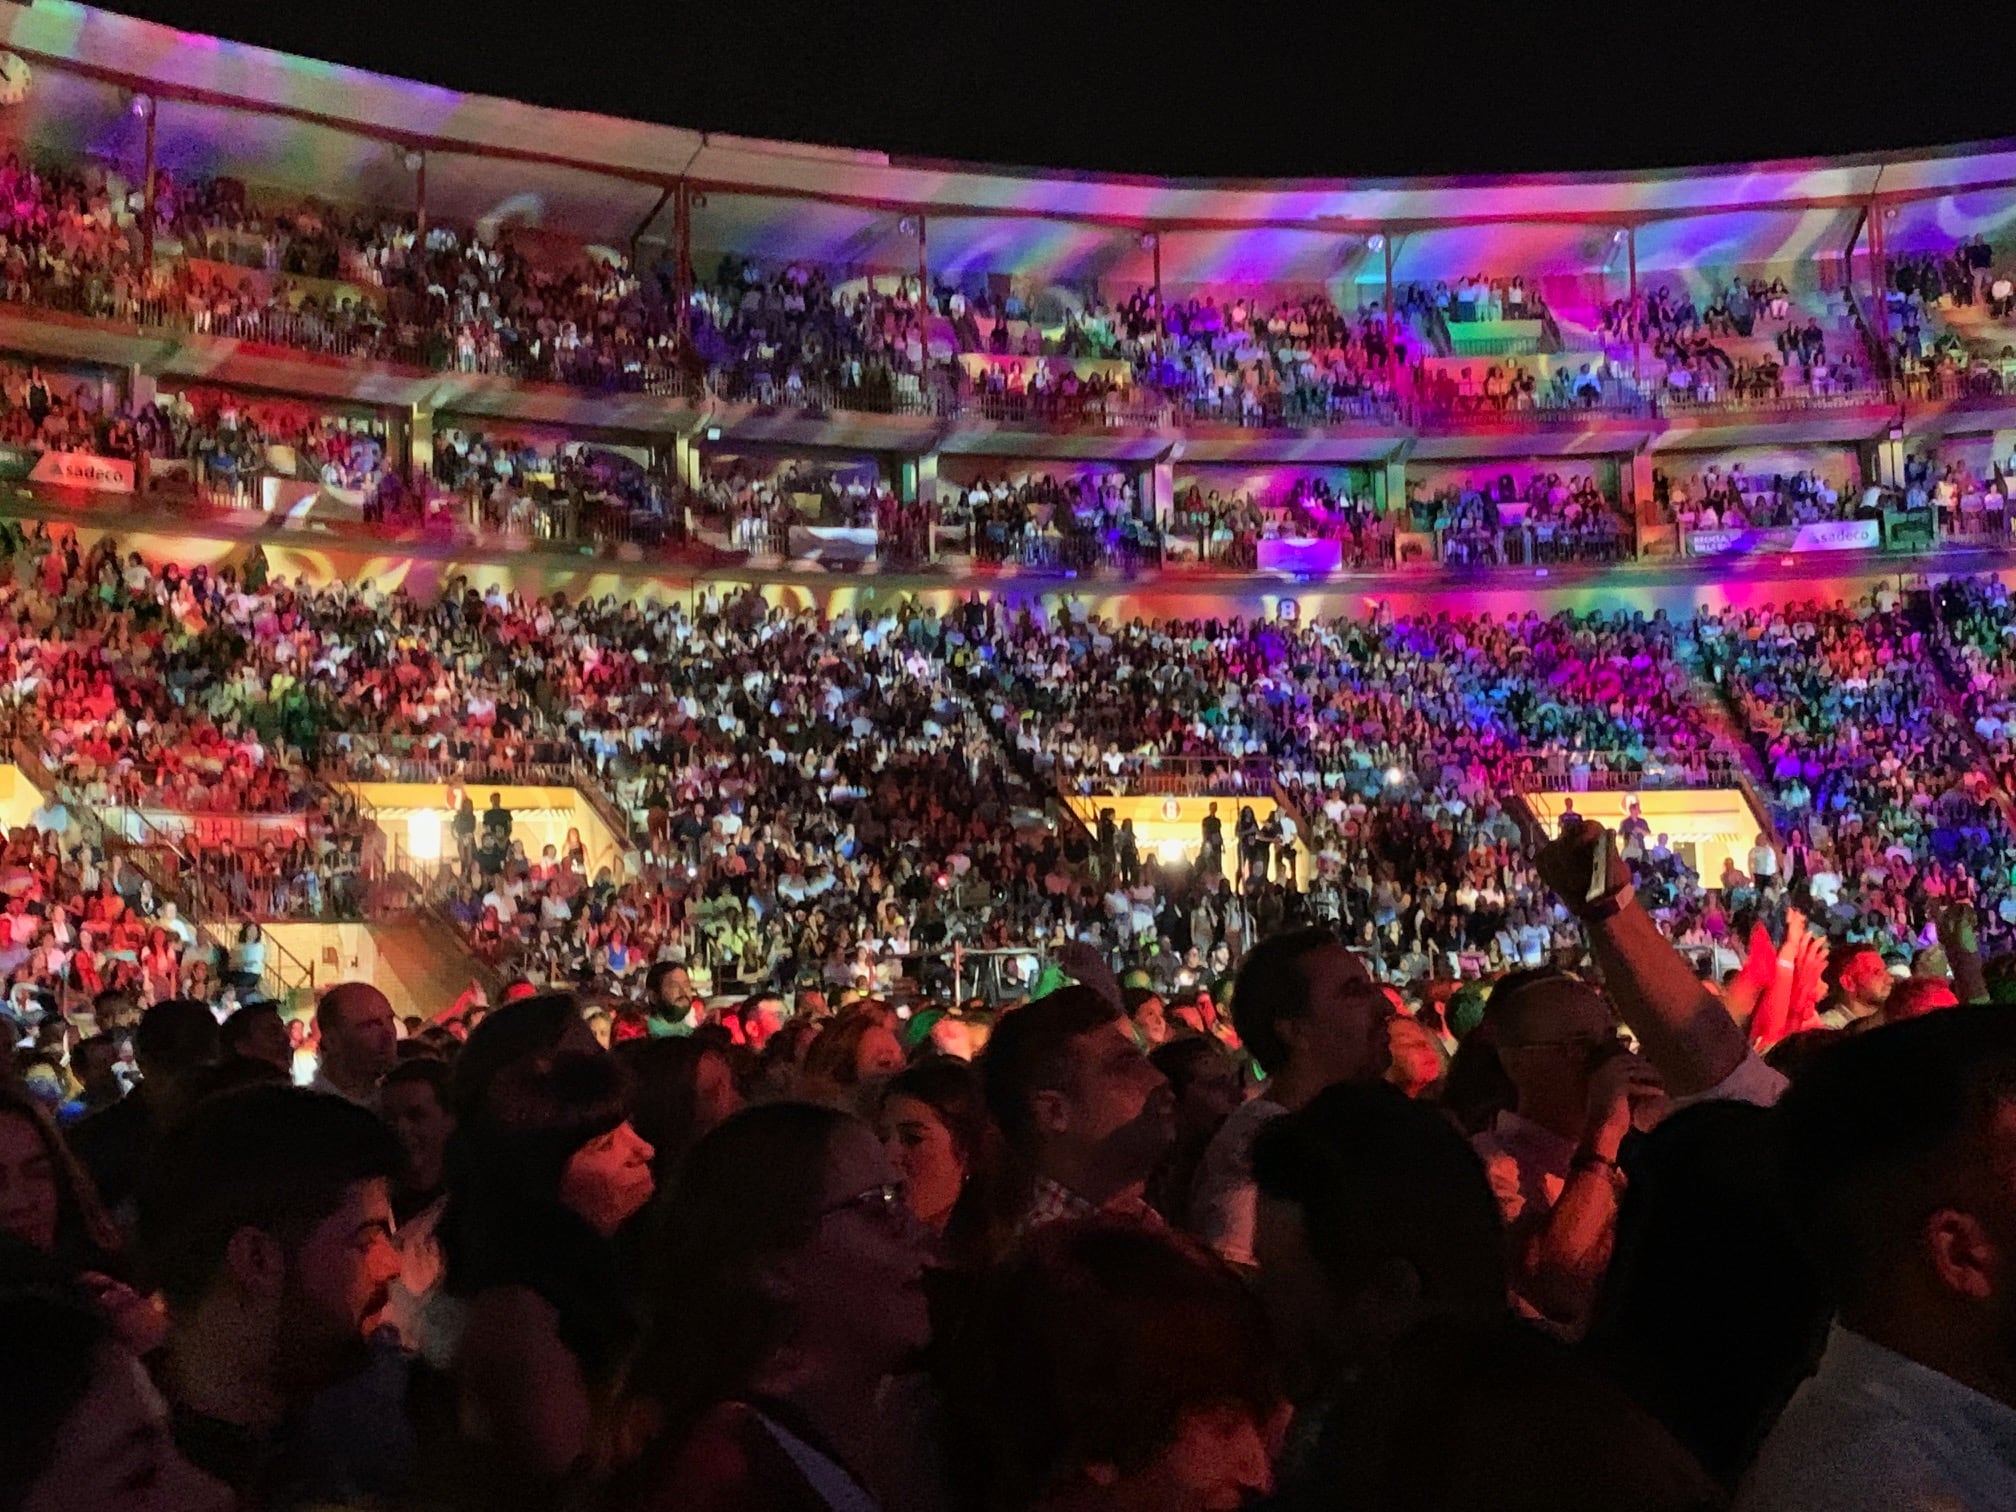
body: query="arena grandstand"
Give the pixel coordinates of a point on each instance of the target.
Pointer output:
(793, 621)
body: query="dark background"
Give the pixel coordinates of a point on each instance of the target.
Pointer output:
(1211, 89)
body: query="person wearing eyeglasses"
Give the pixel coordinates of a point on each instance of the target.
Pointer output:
(1552, 1156)
(790, 1288)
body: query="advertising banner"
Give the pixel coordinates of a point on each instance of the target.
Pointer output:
(1414, 547)
(833, 545)
(1824, 535)
(77, 470)
(1302, 554)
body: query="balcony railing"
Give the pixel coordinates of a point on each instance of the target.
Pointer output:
(1626, 771)
(357, 332)
(372, 758)
(1176, 776)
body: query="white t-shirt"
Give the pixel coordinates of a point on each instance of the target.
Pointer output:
(1223, 1206)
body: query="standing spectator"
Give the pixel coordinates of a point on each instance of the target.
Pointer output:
(414, 1104)
(176, 1040)
(497, 825)
(267, 1222)
(1383, 1270)
(1552, 1157)
(358, 1040)
(1113, 1367)
(799, 1283)
(543, 1182)
(1085, 1117)
(1307, 1011)
(934, 1126)
(256, 1032)
(680, 1088)
(1897, 1147)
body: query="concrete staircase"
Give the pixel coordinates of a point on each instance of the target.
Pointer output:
(421, 963)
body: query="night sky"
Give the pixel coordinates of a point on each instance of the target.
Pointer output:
(1332, 90)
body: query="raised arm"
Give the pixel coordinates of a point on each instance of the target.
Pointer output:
(1687, 1034)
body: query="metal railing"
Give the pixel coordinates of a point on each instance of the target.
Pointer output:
(1176, 776)
(1788, 401)
(353, 757)
(175, 871)
(1553, 770)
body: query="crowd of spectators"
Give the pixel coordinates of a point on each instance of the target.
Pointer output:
(1968, 501)
(1546, 519)
(1718, 499)
(1080, 522)
(1346, 1246)
(1398, 740)
(1885, 814)
(1478, 297)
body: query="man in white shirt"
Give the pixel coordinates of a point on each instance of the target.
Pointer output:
(1311, 1016)
(51, 818)
(1764, 861)
(1897, 1150)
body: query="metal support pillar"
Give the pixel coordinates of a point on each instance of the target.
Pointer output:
(147, 189)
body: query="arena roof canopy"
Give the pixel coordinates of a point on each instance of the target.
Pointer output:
(288, 123)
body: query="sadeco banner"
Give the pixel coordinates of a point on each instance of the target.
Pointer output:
(1308, 554)
(76, 470)
(1826, 535)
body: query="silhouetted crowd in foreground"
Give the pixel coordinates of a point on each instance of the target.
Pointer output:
(1612, 1239)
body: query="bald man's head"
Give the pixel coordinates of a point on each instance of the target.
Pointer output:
(359, 1037)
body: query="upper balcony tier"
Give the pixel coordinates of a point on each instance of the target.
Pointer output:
(218, 210)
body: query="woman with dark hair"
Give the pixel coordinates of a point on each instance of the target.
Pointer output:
(540, 1183)
(856, 1050)
(47, 1201)
(540, 1025)
(680, 1088)
(790, 1286)
(49, 1207)
(934, 1125)
(93, 1434)
(1116, 1367)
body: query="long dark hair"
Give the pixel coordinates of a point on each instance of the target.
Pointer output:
(748, 1192)
(663, 1075)
(86, 1239)
(504, 1223)
(978, 1229)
